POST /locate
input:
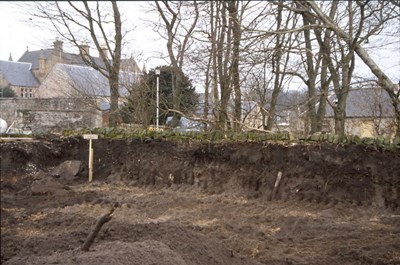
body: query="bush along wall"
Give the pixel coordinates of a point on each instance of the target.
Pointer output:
(215, 136)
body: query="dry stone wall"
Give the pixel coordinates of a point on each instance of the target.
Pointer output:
(48, 115)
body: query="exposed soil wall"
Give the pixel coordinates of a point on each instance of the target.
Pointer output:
(190, 203)
(323, 173)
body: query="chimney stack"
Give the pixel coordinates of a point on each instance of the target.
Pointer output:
(84, 50)
(105, 51)
(58, 49)
(58, 45)
(42, 64)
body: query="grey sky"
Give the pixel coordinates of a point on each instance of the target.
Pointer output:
(18, 32)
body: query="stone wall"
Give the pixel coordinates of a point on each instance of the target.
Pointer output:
(45, 115)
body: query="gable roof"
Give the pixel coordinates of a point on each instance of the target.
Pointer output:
(68, 58)
(18, 74)
(365, 102)
(91, 82)
(32, 57)
(287, 101)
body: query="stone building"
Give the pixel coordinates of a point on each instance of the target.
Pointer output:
(85, 83)
(43, 60)
(19, 77)
(54, 75)
(369, 113)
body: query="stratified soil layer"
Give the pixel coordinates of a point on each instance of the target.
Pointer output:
(199, 203)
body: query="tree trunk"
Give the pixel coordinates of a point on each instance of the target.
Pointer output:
(325, 81)
(233, 9)
(276, 61)
(207, 89)
(263, 99)
(114, 98)
(223, 56)
(385, 82)
(383, 79)
(177, 93)
(311, 77)
(214, 56)
(321, 109)
(272, 109)
(340, 118)
(397, 121)
(277, 87)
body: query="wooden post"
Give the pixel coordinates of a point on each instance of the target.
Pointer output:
(90, 162)
(278, 179)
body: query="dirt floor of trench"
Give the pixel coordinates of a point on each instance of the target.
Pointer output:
(187, 203)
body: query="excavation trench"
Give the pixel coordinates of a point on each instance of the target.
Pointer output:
(199, 203)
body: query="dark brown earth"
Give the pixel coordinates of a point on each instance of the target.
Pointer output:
(199, 203)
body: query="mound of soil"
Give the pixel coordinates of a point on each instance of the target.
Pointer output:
(199, 203)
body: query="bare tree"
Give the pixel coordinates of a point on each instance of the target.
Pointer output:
(316, 66)
(256, 88)
(280, 59)
(378, 106)
(236, 35)
(223, 50)
(74, 21)
(380, 12)
(268, 54)
(178, 35)
(228, 53)
(139, 106)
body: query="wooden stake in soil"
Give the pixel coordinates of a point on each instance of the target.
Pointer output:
(90, 239)
(90, 162)
(278, 179)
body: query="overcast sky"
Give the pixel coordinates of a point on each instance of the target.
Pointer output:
(18, 32)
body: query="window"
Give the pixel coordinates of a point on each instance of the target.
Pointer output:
(26, 93)
(283, 119)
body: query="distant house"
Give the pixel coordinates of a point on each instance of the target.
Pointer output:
(369, 113)
(286, 116)
(19, 77)
(48, 76)
(83, 82)
(251, 114)
(43, 60)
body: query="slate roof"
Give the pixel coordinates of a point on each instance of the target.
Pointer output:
(365, 102)
(70, 58)
(91, 82)
(286, 101)
(18, 74)
(33, 57)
